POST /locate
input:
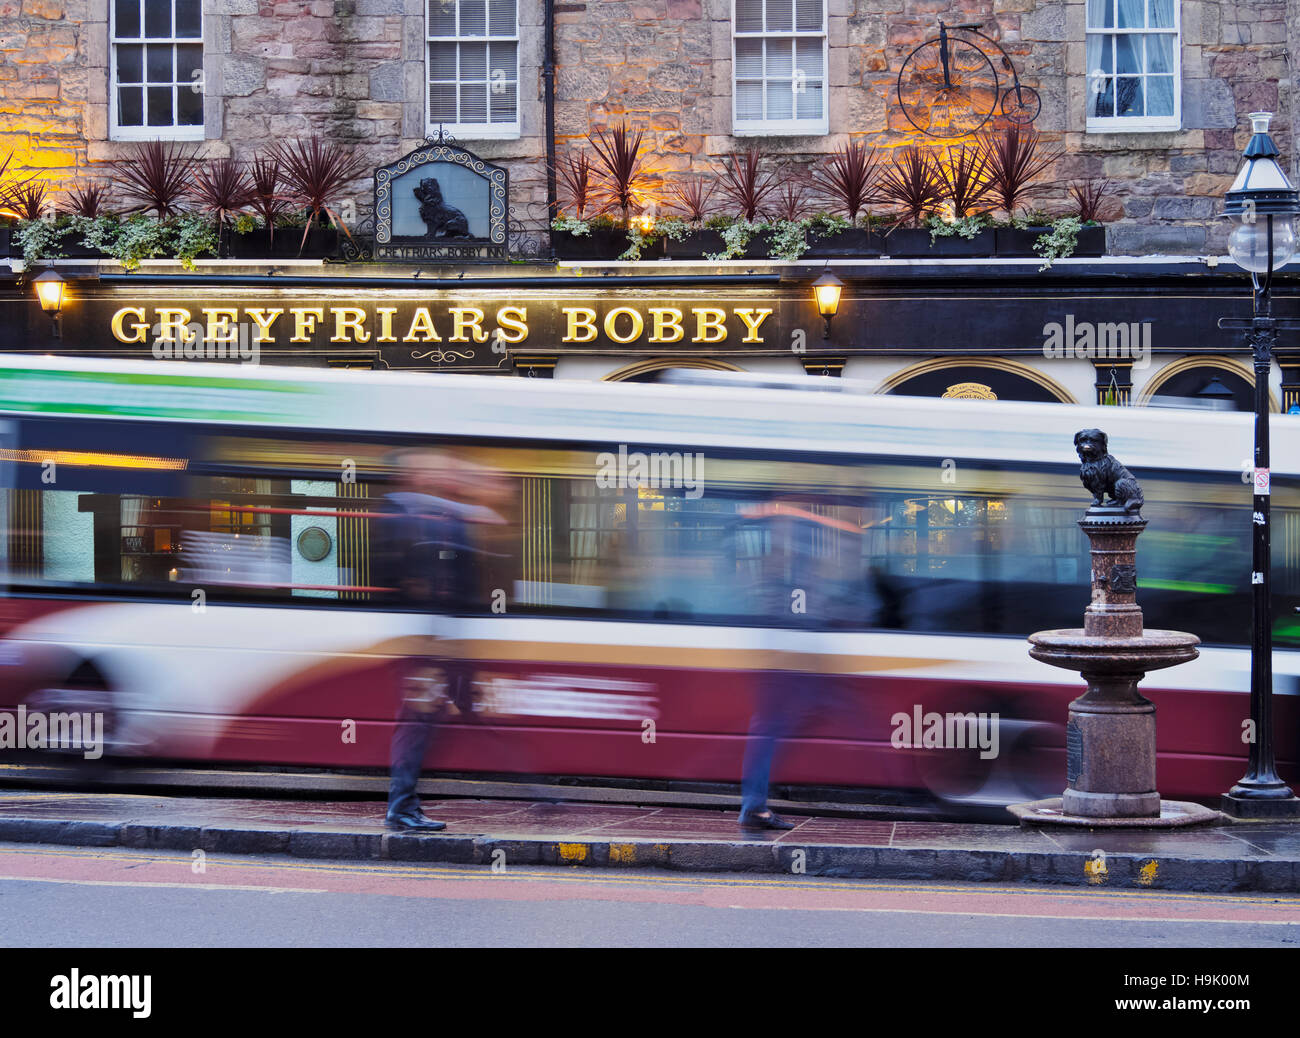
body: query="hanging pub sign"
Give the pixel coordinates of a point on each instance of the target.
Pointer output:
(440, 202)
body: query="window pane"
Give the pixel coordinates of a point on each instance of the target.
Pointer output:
(780, 15)
(749, 59)
(749, 15)
(442, 61)
(1132, 14)
(501, 17)
(473, 18)
(126, 17)
(158, 18)
(809, 100)
(1101, 14)
(473, 61)
(501, 58)
(160, 106)
(473, 103)
(808, 57)
(1128, 95)
(130, 106)
(1103, 97)
(189, 59)
(780, 101)
(1160, 14)
(808, 15)
(1160, 95)
(158, 62)
(442, 103)
(1160, 53)
(1100, 55)
(188, 19)
(189, 106)
(780, 59)
(1128, 53)
(442, 17)
(505, 102)
(130, 63)
(749, 101)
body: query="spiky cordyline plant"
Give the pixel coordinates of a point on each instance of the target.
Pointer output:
(314, 172)
(1015, 160)
(746, 185)
(577, 181)
(1090, 198)
(620, 172)
(157, 177)
(266, 198)
(911, 183)
(691, 197)
(964, 180)
(222, 188)
(791, 201)
(850, 179)
(27, 200)
(89, 200)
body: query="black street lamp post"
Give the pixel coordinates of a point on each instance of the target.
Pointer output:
(1265, 204)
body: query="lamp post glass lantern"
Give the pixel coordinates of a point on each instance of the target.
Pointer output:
(1263, 204)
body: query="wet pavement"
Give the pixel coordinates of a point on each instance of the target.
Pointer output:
(1242, 856)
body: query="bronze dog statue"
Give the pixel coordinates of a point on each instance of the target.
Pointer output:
(1102, 473)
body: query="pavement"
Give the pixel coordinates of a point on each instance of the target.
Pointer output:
(1241, 856)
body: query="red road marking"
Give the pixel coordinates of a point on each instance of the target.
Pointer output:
(140, 868)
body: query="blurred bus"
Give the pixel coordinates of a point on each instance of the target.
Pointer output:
(189, 550)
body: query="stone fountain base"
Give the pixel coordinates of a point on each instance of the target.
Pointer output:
(1173, 814)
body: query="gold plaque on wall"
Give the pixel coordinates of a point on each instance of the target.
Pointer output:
(969, 391)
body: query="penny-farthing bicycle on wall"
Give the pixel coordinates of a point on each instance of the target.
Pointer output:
(948, 86)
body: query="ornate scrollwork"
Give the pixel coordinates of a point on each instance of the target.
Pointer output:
(360, 245)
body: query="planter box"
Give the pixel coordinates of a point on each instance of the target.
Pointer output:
(1016, 241)
(75, 250)
(696, 244)
(856, 241)
(602, 243)
(321, 241)
(910, 242)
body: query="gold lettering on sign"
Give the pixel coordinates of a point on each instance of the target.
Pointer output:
(515, 320)
(304, 321)
(611, 324)
(221, 324)
(969, 391)
(467, 318)
(422, 323)
(169, 320)
(753, 322)
(141, 329)
(385, 323)
(666, 324)
(351, 319)
(579, 318)
(264, 319)
(709, 319)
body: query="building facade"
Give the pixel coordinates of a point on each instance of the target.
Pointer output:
(1149, 95)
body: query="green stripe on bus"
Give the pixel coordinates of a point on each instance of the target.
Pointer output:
(1186, 585)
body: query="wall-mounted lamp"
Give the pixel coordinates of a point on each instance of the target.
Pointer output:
(826, 290)
(49, 289)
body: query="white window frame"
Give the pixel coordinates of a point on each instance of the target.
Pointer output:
(782, 127)
(1133, 123)
(117, 132)
(470, 131)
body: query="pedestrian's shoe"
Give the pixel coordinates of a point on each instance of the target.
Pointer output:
(416, 821)
(764, 820)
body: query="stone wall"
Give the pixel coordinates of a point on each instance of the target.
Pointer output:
(353, 70)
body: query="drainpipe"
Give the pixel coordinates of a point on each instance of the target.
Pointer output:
(548, 80)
